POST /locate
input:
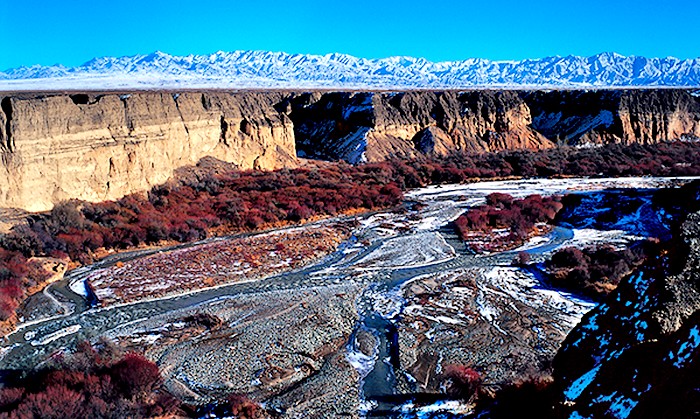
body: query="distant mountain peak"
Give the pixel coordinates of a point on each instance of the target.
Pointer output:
(266, 69)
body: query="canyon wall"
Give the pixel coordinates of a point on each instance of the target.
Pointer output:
(103, 146)
(620, 116)
(369, 126)
(99, 147)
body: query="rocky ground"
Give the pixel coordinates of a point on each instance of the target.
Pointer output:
(281, 347)
(301, 341)
(498, 320)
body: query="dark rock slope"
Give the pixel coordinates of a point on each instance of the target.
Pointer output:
(621, 116)
(638, 354)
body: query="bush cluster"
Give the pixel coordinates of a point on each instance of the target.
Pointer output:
(501, 211)
(595, 271)
(90, 383)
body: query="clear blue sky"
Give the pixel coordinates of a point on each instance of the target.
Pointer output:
(73, 31)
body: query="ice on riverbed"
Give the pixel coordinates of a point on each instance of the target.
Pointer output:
(522, 286)
(522, 188)
(533, 242)
(588, 236)
(78, 287)
(56, 335)
(418, 310)
(452, 407)
(147, 339)
(409, 251)
(444, 203)
(362, 363)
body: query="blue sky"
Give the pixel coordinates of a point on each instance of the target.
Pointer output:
(73, 31)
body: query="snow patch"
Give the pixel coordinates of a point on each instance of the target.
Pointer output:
(685, 351)
(409, 251)
(56, 335)
(578, 386)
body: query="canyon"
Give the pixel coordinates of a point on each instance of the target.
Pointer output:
(99, 146)
(359, 333)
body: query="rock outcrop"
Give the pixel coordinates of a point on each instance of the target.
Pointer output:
(103, 146)
(99, 147)
(620, 116)
(638, 354)
(365, 126)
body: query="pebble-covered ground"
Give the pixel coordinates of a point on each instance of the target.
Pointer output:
(215, 263)
(261, 345)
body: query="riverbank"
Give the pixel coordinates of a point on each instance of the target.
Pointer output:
(283, 336)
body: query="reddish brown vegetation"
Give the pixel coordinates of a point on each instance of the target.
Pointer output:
(516, 218)
(210, 264)
(13, 268)
(90, 383)
(239, 201)
(244, 408)
(234, 202)
(522, 259)
(462, 381)
(595, 271)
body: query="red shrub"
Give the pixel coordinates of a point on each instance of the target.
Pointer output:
(462, 381)
(135, 375)
(244, 408)
(8, 305)
(519, 216)
(55, 402)
(87, 384)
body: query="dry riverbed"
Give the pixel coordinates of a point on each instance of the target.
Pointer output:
(288, 340)
(219, 262)
(281, 346)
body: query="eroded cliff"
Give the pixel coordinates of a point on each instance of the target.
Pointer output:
(98, 147)
(365, 126)
(375, 126)
(621, 116)
(103, 146)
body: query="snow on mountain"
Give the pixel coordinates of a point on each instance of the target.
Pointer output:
(264, 69)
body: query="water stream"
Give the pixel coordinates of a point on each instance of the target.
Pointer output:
(379, 306)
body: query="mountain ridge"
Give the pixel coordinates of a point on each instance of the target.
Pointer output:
(266, 69)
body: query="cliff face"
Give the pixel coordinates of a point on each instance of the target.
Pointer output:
(621, 116)
(103, 146)
(375, 126)
(106, 146)
(365, 126)
(637, 355)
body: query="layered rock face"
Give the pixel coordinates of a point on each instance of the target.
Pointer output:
(103, 146)
(98, 147)
(366, 126)
(360, 127)
(620, 116)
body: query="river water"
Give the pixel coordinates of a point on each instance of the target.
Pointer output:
(367, 257)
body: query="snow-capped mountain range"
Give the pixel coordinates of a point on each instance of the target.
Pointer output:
(264, 69)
